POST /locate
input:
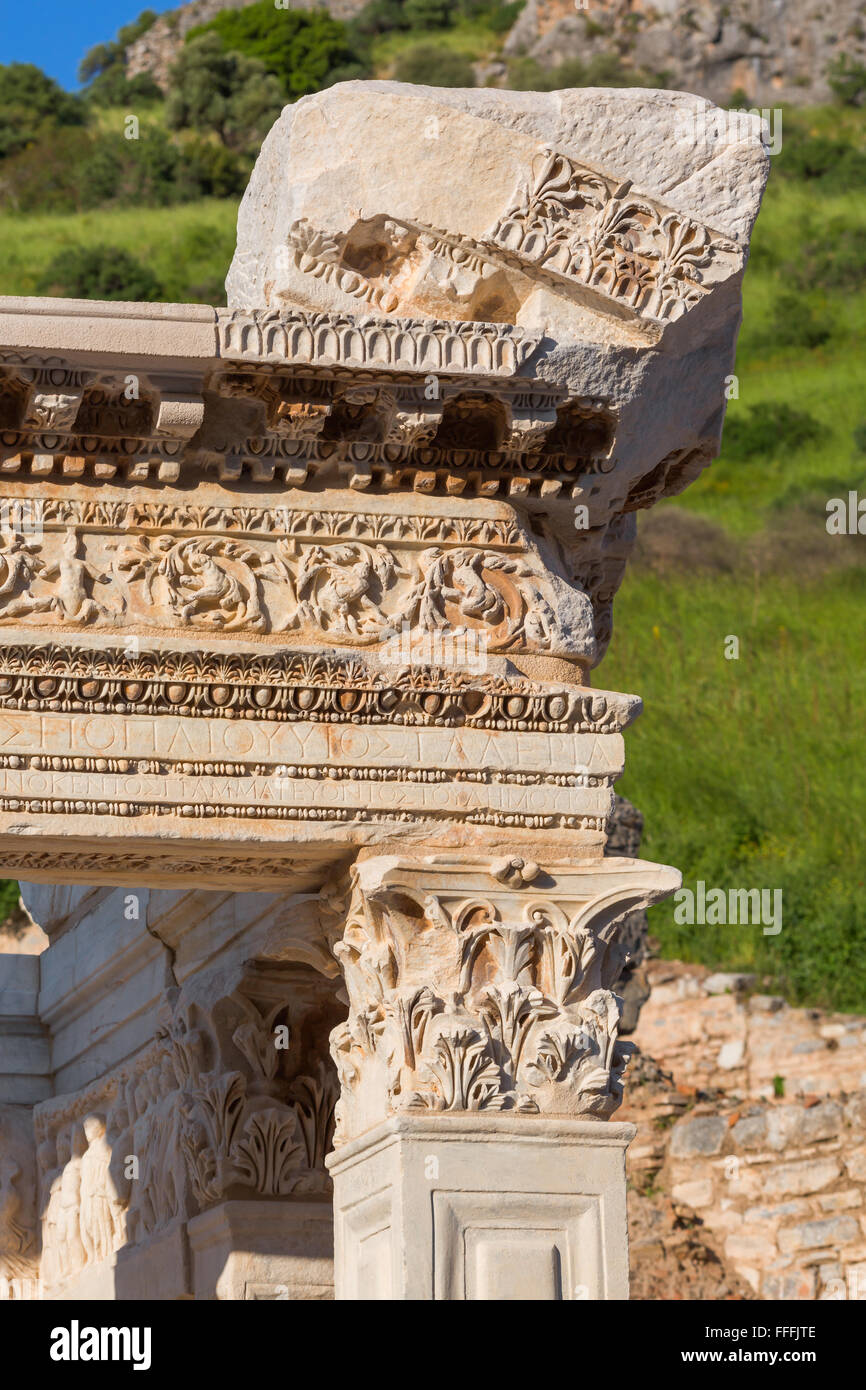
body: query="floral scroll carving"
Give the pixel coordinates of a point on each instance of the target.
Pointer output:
(583, 226)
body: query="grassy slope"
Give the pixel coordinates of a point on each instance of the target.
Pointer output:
(749, 771)
(188, 246)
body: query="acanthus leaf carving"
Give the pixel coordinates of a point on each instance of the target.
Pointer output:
(495, 999)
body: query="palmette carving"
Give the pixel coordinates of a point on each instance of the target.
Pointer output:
(472, 989)
(582, 226)
(246, 1129)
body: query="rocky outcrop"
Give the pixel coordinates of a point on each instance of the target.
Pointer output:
(763, 51)
(770, 51)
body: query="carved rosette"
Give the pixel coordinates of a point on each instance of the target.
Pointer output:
(484, 986)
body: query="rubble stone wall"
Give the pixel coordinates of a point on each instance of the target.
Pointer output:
(751, 1137)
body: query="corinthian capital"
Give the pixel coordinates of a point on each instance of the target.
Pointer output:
(476, 985)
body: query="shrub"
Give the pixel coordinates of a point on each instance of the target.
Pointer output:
(833, 258)
(839, 165)
(768, 427)
(130, 32)
(801, 321)
(210, 170)
(431, 66)
(429, 14)
(99, 272)
(502, 17)
(847, 81)
(604, 70)
(377, 17)
(114, 88)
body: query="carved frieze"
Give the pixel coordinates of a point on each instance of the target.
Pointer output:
(353, 592)
(580, 226)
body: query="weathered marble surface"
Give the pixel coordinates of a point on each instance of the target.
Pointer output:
(301, 766)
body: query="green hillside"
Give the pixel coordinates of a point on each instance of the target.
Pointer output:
(749, 771)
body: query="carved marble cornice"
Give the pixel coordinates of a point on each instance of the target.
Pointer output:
(324, 686)
(429, 404)
(298, 337)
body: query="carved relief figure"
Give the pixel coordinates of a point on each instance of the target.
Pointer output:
(72, 596)
(19, 566)
(18, 1252)
(68, 1244)
(207, 582)
(336, 587)
(102, 1223)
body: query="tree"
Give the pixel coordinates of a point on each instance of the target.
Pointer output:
(99, 272)
(300, 48)
(103, 68)
(32, 103)
(227, 93)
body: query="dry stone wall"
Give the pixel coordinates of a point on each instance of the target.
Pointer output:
(767, 1176)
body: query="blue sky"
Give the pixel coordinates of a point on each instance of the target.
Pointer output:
(55, 34)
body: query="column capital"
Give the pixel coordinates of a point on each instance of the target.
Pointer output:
(479, 984)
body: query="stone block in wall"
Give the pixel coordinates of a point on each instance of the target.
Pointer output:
(808, 1175)
(244, 1250)
(702, 1135)
(25, 1060)
(855, 1164)
(812, 1235)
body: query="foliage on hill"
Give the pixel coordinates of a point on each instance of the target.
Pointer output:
(227, 93)
(103, 68)
(33, 106)
(303, 50)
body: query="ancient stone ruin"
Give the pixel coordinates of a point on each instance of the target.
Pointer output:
(302, 770)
